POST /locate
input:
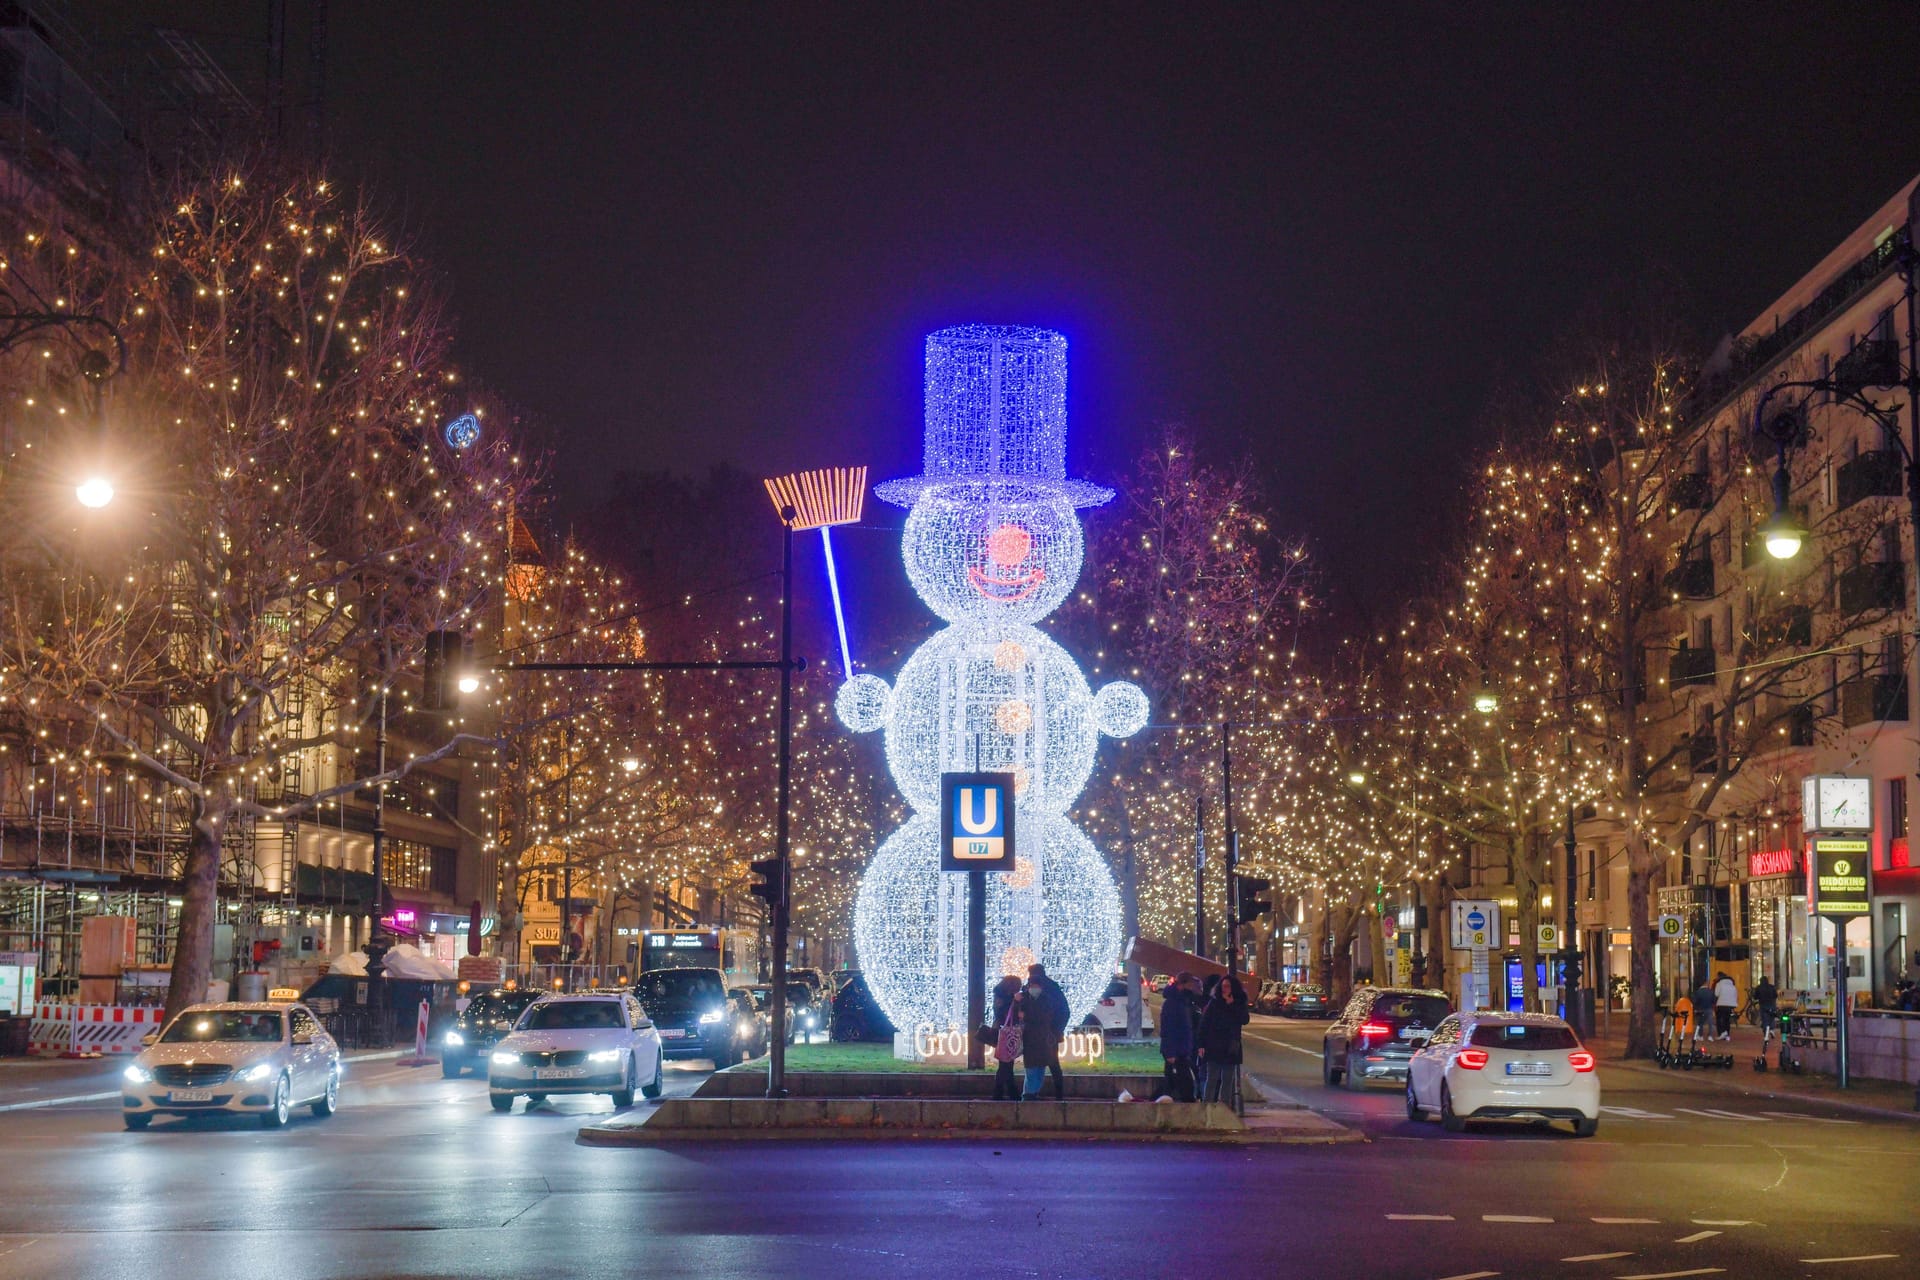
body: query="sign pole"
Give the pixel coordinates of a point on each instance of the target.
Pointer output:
(976, 967)
(1841, 1074)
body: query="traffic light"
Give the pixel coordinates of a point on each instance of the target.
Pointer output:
(1250, 896)
(449, 670)
(770, 881)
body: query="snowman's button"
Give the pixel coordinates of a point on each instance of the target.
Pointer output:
(1120, 709)
(863, 703)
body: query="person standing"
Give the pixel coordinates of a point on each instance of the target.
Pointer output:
(1041, 1029)
(1726, 998)
(1703, 1003)
(1006, 1013)
(1208, 990)
(1177, 1037)
(1220, 1024)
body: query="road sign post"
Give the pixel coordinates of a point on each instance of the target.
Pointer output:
(1474, 926)
(976, 836)
(1842, 891)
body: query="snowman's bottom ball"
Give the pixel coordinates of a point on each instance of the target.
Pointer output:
(910, 922)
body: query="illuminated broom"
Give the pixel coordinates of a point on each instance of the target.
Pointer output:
(820, 500)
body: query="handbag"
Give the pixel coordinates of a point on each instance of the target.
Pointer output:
(986, 1035)
(1007, 1048)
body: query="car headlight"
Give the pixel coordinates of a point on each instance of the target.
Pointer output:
(604, 1055)
(137, 1075)
(713, 1015)
(505, 1059)
(455, 1038)
(807, 1018)
(258, 1071)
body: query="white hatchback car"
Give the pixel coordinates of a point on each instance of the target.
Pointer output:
(1109, 1012)
(590, 1043)
(256, 1059)
(1504, 1066)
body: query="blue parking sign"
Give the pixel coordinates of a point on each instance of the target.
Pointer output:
(976, 822)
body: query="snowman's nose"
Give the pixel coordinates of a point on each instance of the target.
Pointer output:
(1009, 545)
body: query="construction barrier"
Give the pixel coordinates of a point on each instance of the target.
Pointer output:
(77, 1030)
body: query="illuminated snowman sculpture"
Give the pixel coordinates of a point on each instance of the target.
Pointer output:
(993, 545)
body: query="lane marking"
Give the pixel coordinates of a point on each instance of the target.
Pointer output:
(1311, 1053)
(1628, 1222)
(1858, 1257)
(1720, 1222)
(60, 1102)
(1634, 1113)
(1675, 1275)
(1511, 1217)
(1419, 1217)
(1697, 1237)
(1471, 1275)
(1715, 1113)
(1797, 1115)
(1595, 1257)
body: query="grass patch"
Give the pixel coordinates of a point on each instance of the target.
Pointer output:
(1120, 1059)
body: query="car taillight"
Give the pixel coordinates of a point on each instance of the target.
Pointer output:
(1106, 1002)
(1580, 1060)
(1471, 1059)
(1380, 1029)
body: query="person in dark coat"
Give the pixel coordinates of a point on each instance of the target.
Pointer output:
(1207, 990)
(1220, 1024)
(1178, 1036)
(1040, 1034)
(1057, 1011)
(1006, 1005)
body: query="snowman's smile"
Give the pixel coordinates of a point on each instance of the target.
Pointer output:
(1006, 590)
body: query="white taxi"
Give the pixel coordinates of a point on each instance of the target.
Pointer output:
(255, 1059)
(1504, 1066)
(589, 1043)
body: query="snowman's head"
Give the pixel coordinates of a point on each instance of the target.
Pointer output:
(993, 552)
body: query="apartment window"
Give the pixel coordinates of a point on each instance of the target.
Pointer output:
(1726, 629)
(412, 865)
(1593, 872)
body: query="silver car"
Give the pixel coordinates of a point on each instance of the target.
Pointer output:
(253, 1059)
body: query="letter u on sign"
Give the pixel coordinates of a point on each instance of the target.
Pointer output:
(976, 802)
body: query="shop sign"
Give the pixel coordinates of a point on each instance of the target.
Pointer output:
(1671, 927)
(1762, 863)
(1840, 886)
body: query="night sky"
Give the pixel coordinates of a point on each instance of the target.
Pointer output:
(688, 234)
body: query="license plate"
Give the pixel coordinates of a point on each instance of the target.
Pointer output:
(672, 1033)
(1529, 1069)
(191, 1095)
(1417, 1037)
(558, 1073)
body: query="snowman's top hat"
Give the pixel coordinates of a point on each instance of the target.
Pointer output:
(996, 410)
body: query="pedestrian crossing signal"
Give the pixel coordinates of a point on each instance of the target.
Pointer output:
(976, 822)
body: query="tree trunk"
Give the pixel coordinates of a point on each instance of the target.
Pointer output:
(199, 902)
(1643, 998)
(1438, 943)
(1340, 929)
(1377, 943)
(1526, 888)
(1130, 929)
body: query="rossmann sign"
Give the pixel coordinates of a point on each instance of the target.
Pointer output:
(1763, 863)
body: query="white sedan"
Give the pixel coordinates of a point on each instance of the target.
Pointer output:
(256, 1059)
(1504, 1066)
(598, 1043)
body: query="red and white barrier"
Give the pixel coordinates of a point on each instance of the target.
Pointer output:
(76, 1030)
(420, 1056)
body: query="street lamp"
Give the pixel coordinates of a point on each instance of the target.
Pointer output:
(631, 764)
(94, 492)
(1356, 779)
(1485, 700)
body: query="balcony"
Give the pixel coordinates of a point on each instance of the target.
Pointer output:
(1703, 753)
(1690, 492)
(1873, 362)
(1692, 579)
(1870, 588)
(1690, 666)
(1874, 474)
(1789, 628)
(1800, 726)
(1871, 698)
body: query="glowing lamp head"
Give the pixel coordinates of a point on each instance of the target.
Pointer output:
(94, 492)
(631, 764)
(1782, 535)
(1356, 779)
(1486, 702)
(469, 683)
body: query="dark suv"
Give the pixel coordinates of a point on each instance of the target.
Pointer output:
(689, 1008)
(1379, 1032)
(487, 1018)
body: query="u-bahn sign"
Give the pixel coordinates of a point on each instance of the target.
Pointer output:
(976, 822)
(1841, 888)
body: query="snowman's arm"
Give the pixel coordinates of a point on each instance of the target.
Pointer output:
(863, 703)
(1120, 709)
